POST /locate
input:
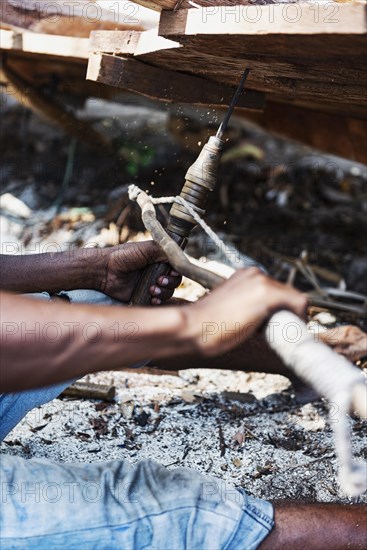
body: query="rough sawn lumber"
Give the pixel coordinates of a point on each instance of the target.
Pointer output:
(319, 58)
(304, 114)
(44, 44)
(158, 83)
(60, 17)
(160, 5)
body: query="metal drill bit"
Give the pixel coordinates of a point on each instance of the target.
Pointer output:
(223, 127)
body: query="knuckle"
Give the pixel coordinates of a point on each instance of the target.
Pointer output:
(254, 272)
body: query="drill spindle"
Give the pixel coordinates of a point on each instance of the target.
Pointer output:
(223, 127)
(200, 179)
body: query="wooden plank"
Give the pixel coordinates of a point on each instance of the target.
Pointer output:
(114, 42)
(160, 5)
(130, 42)
(185, 4)
(339, 135)
(267, 31)
(321, 86)
(306, 61)
(163, 85)
(290, 116)
(66, 80)
(281, 80)
(62, 17)
(267, 20)
(44, 44)
(10, 40)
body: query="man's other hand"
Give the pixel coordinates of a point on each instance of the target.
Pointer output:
(235, 310)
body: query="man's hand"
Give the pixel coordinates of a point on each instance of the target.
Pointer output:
(123, 265)
(236, 309)
(114, 271)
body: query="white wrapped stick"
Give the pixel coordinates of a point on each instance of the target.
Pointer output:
(333, 377)
(330, 374)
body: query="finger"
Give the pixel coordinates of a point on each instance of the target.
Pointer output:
(162, 294)
(299, 304)
(169, 281)
(278, 295)
(293, 300)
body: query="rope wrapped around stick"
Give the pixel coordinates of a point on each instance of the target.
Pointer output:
(330, 374)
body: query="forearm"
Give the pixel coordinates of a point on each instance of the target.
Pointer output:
(52, 272)
(45, 343)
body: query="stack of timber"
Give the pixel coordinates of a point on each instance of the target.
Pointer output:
(308, 64)
(47, 43)
(308, 60)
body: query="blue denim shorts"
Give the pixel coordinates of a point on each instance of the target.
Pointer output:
(113, 505)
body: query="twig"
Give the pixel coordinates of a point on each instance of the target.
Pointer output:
(303, 464)
(67, 175)
(123, 215)
(244, 428)
(329, 303)
(222, 443)
(84, 390)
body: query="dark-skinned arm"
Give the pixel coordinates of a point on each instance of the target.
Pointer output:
(44, 343)
(52, 272)
(114, 271)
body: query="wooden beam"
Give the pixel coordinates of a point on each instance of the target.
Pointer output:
(267, 20)
(339, 135)
(308, 33)
(130, 42)
(61, 17)
(67, 81)
(10, 40)
(44, 44)
(163, 85)
(289, 115)
(160, 5)
(283, 81)
(185, 4)
(341, 90)
(322, 62)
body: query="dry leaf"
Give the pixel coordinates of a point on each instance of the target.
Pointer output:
(239, 437)
(347, 340)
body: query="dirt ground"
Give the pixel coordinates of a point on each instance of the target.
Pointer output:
(274, 201)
